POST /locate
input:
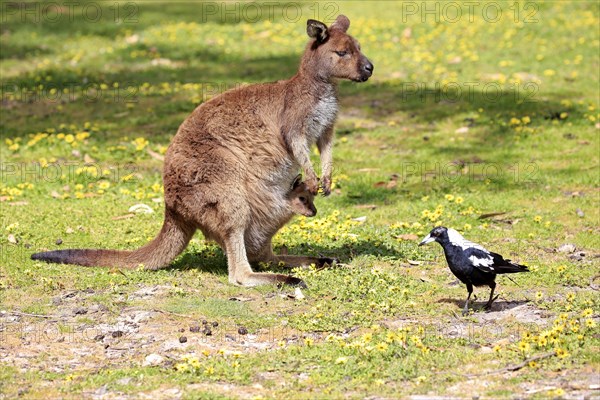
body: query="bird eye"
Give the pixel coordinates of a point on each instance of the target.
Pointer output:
(341, 53)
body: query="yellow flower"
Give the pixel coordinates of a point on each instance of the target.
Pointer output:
(308, 341)
(458, 200)
(449, 197)
(140, 143)
(209, 371)
(382, 346)
(537, 219)
(497, 349)
(514, 121)
(570, 297)
(104, 185)
(590, 323)
(341, 360)
(182, 367)
(549, 72)
(82, 136)
(367, 337)
(533, 364)
(69, 138)
(587, 312)
(562, 353)
(523, 346)
(539, 296)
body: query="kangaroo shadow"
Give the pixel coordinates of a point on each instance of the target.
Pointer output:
(497, 306)
(214, 260)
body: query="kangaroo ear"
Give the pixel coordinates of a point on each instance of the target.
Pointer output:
(297, 181)
(341, 23)
(317, 30)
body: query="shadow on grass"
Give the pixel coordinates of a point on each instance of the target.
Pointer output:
(478, 306)
(213, 260)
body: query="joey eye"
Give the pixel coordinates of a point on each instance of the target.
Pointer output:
(341, 53)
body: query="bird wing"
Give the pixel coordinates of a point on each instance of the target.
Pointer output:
(503, 266)
(483, 260)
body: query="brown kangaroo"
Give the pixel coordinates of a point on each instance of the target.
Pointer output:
(228, 169)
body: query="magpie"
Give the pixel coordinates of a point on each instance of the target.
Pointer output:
(471, 263)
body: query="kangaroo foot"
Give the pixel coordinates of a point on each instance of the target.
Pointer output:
(259, 278)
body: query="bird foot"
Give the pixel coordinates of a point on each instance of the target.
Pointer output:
(465, 312)
(488, 306)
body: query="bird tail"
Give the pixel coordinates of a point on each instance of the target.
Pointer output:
(509, 267)
(172, 239)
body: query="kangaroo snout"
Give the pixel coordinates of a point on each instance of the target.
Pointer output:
(367, 70)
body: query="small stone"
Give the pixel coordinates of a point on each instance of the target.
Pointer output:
(153, 360)
(204, 322)
(567, 248)
(215, 324)
(182, 339)
(195, 328)
(80, 311)
(580, 213)
(59, 241)
(207, 331)
(117, 334)
(242, 330)
(98, 338)
(181, 330)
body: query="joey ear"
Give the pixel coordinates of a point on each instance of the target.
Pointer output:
(317, 30)
(297, 181)
(341, 23)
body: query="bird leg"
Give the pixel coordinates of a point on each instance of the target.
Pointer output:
(465, 310)
(488, 306)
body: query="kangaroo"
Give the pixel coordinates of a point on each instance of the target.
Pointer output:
(228, 168)
(300, 200)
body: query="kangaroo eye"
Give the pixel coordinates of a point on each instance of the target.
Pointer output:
(302, 199)
(341, 53)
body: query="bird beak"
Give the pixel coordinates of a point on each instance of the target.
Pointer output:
(427, 239)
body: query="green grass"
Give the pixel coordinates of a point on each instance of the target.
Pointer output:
(466, 118)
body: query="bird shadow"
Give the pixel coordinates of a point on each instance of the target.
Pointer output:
(497, 306)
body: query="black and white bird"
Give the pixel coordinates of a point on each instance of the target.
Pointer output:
(471, 263)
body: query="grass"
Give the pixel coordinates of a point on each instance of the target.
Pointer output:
(460, 119)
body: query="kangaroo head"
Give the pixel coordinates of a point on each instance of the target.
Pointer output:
(301, 199)
(333, 53)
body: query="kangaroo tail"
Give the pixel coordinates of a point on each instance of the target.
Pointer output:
(172, 239)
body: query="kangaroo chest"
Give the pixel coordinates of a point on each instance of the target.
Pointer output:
(322, 116)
